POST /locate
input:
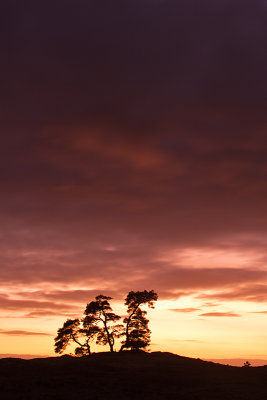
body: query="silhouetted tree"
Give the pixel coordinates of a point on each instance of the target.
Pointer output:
(100, 323)
(246, 364)
(100, 312)
(71, 332)
(137, 333)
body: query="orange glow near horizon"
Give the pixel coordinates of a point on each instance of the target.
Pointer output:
(200, 324)
(184, 333)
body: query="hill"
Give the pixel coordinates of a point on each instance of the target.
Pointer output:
(123, 376)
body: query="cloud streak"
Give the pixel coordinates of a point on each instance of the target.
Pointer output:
(220, 314)
(22, 333)
(184, 310)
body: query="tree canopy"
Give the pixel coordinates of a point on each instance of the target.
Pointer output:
(101, 324)
(100, 312)
(137, 334)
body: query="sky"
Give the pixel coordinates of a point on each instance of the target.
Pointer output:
(134, 156)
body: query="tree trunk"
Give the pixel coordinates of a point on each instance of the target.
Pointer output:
(127, 328)
(108, 336)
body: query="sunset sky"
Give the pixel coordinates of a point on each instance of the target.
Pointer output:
(134, 156)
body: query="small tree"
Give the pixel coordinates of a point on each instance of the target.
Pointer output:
(71, 332)
(137, 333)
(100, 312)
(246, 364)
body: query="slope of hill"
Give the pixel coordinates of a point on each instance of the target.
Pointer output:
(238, 362)
(132, 376)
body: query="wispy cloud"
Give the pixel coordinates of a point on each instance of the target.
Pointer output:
(184, 310)
(258, 312)
(22, 333)
(220, 314)
(251, 291)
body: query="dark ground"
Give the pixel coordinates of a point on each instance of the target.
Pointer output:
(130, 376)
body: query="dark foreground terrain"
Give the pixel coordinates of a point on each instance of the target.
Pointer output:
(128, 375)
